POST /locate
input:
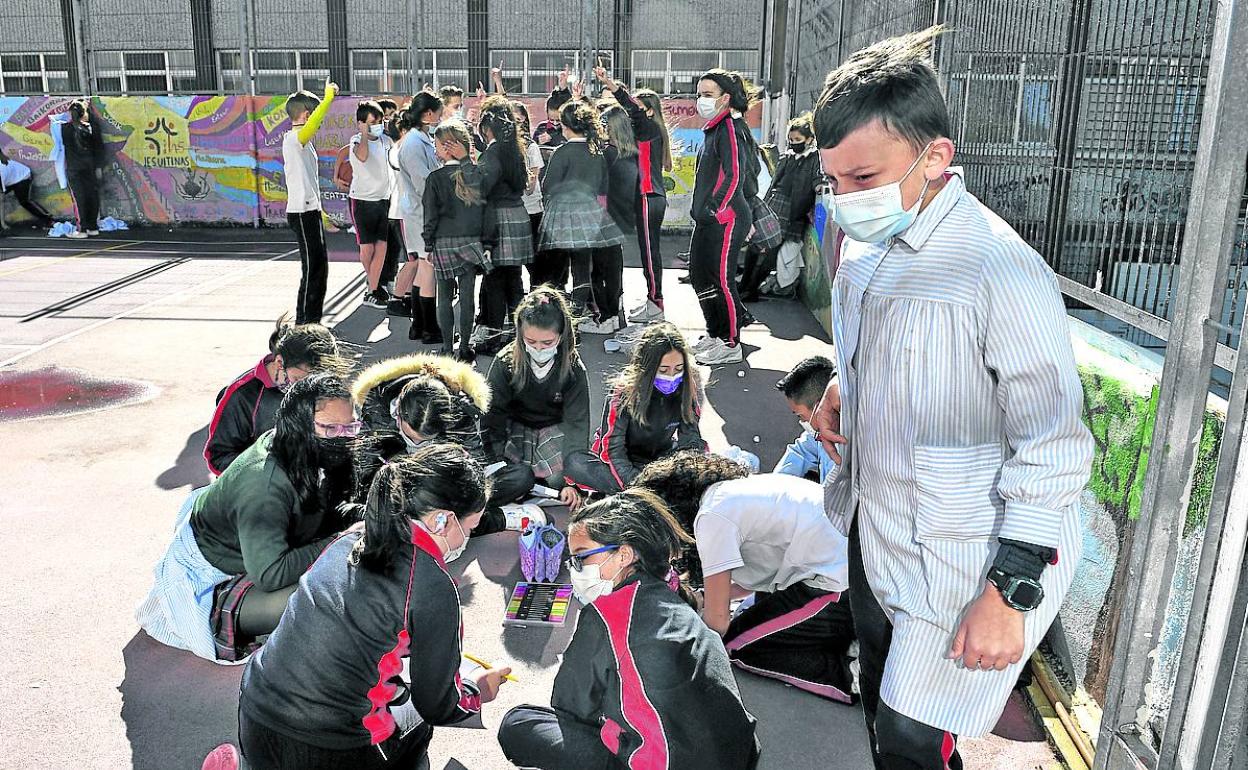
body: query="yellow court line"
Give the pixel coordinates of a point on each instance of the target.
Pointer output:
(87, 253)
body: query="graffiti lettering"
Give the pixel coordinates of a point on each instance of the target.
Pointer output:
(1132, 198)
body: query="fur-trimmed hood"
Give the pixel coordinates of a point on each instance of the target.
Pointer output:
(458, 376)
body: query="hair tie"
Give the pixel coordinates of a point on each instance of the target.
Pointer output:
(543, 300)
(673, 580)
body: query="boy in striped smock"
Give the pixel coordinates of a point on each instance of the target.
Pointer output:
(955, 419)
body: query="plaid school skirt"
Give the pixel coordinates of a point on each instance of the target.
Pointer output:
(539, 448)
(458, 255)
(512, 235)
(576, 223)
(181, 607)
(767, 231)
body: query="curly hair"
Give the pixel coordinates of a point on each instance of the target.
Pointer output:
(582, 119)
(680, 480)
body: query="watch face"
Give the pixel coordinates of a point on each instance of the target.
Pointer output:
(1026, 595)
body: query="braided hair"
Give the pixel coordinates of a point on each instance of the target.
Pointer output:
(499, 121)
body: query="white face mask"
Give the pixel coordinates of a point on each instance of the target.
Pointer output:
(806, 426)
(376, 130)
(707, 108)
(588, 583)
(451, 554)
(541, 356)
(871, 216)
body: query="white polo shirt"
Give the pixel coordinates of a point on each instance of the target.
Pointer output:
(770, 531)
(303, 187)
(371, 179)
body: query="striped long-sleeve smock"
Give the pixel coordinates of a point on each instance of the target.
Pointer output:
(962, 409)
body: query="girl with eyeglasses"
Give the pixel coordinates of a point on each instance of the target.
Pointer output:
(241, 544)
(644, 682)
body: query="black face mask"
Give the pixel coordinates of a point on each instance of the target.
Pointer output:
(333, 452)
(797, 149)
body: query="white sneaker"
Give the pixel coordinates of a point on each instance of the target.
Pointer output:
(481, 334)
(649, 312)
(93, 232)
(721, 353)
(609, 326)
(705, 343)
(77, 235)
(521, 515)
(631, 332)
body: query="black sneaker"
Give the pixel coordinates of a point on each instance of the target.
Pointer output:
(466, 355)
(376, 299)
(399, 306)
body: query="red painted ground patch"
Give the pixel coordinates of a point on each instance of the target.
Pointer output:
(56, 391)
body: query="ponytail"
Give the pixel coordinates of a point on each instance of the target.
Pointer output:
(456, 131)
(583, 119)
(741, 94)
(437, 477)
(497, 118)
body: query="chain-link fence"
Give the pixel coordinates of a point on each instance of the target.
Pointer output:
(1075, 120)
(368, 46)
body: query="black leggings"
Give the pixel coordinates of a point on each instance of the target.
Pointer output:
(550, 267)
(21, 191)
(582, 261)
(86, 191)
(607, 278)
(649, 213)
(260, 611)
(897, 742)
(266, 749)
(466, 285)
(501, 292)
(536, 736)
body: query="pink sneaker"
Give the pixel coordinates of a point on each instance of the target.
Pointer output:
(530, 552)
(223, 757)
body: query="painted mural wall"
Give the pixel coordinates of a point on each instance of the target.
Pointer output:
(217, 159)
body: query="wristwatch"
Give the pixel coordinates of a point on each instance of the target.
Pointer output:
(1019, 592)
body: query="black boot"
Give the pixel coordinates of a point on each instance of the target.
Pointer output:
(429, 308)
(417, 330)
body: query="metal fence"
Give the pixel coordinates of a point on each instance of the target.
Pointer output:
(367, 46)
(1109, 133)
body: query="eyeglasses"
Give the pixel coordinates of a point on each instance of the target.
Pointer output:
(576, 561)
(334, 430)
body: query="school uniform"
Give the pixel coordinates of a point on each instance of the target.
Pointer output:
(970, 437)
(452, 234)
(384, 668)
(643, 684)
(541, 424)
(508, 235)
(576, 220)
(726, 179)
(369, 197)
(84, 156)
(246, 408)
(806, 457)
(303, 215)
(792, 198)
(770, 532)
(607, 273)
(376, 390)
(651, 193)
(16, 178)
(249, 528)
(624, 445)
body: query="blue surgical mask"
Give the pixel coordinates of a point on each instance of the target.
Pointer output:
(871, 216)
(667, 384)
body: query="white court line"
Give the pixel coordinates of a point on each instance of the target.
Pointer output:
(198, 288)
(141, 250)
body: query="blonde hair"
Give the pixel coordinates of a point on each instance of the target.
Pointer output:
(456, 130)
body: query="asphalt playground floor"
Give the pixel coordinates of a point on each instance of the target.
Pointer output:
(112, 351)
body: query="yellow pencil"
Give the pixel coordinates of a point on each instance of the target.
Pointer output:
(483, 664)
